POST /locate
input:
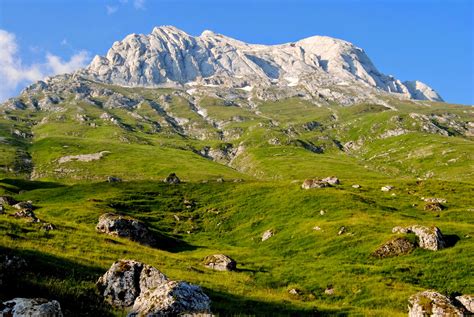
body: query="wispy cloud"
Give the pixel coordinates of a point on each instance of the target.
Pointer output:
(13, 73)
(139, 4)
(111, 9)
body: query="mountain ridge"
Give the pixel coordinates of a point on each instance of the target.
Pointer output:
(171, 57)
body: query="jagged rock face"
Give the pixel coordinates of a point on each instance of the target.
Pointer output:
(431, 303)
(170, 57)
(145, 291)
(126, 227)
(220, 262)
(31, 307)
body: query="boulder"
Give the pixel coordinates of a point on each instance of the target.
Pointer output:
(386, 188)
(428, 238)
(113, 179)
(125, 227)
(356, 186)
(220, 262)
(314, 183)
(145, 291)
(394, 247)
(172, 179)
(26, 213)
(31, 307)
(267, 235)
(467, 301)
(431, 303)
(8, 200)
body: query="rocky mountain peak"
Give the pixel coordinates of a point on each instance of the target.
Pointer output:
(171, 57)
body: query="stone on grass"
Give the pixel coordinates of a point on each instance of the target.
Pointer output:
(31, 307)
(394, 247)
(314, 183)
(356, 186)
(145, 291)
(113, 179)
(267, 235)
(125, 227)
(220, 262)
(429, 238)
(331, 180)
(28, 205)
(431, 303)
(8, 200)
(467, 301)
(386, 188)
(433, 206)
(172, 179)
(342, 230)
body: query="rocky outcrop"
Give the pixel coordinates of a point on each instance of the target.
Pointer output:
(31, 307)
(220, 262)
(428, 238)
(172, 179)
(431, 303)
(394, 247)
(83, 157)
(125, 227)
(144, 291)
(320, 183)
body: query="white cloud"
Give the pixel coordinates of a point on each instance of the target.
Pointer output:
(14, 74)
(139, 4)
(111, 9)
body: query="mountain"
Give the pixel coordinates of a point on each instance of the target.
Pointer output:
(170, 57)
(244, 135)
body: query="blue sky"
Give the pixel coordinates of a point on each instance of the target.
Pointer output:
(428, 40)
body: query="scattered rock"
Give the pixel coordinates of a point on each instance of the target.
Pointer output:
(314, 183)
(172, 179)
(220, 262)
(434, 200)
(431, 303)
(220, 180)
(145, 291)
(294, 291)
(32, 307)
(342, 230)
(26, 213)
(267, 235)
(433, 206)
(113, 179)
(394, 247)
(356, 186)
(322, 212)
(331, 180)
(48, 227)
(386, 188)
(28, 205)
(329, 290)
(467, 301)
(8, 200)
(125, 227)
(83, 157)
(317, 228)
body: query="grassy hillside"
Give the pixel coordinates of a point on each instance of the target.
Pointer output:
(263, 150)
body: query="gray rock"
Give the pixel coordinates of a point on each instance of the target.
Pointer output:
(267, 235)
(8, 200)
(467, 301)
(394, 247)
(125, 227)
(220, 262)
(314, 183)
(31, 307)
(145, 291)
(433, 206)
(331, 180)
(26, 213)
(342, 230)
(431, 303)
(386, 188)
(172, 179)
(356, 186)
(113, 179)
(428, 238)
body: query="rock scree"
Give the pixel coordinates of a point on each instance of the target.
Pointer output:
(144, 291)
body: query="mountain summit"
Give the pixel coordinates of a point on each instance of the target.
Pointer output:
(170, 57)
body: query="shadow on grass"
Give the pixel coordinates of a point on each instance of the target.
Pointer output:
(451, 239)
(225, 304)
(23, 184)
(170, 243)
(51, 277)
